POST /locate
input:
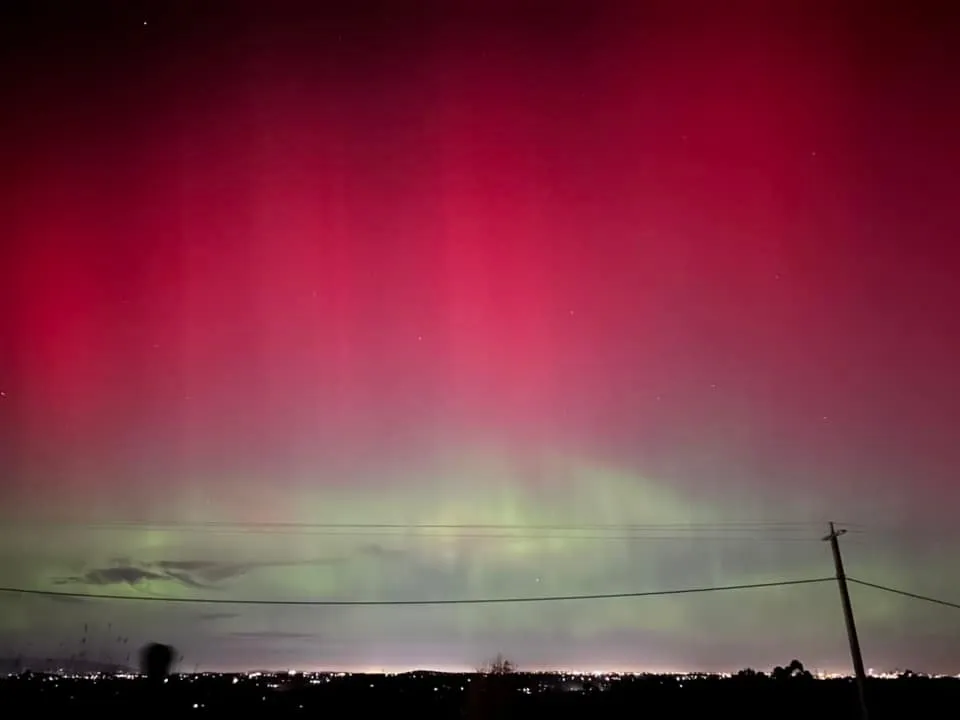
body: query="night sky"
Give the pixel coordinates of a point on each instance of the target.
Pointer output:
(645, 293)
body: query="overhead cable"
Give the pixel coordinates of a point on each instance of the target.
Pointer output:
(390, 603)
(904, 593)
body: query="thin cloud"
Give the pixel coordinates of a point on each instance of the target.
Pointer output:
(118, 575)
(207, 574)
(208, 571)
(128, 575)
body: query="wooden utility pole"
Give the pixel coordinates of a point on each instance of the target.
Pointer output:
(859, 674)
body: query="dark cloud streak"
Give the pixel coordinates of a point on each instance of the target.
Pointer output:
(207, 574)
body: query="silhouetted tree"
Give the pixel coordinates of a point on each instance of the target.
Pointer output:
(492, 693)
(155, 661)
(499, 666)
(793, 671)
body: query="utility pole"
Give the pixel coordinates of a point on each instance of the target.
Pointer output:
(855, 655)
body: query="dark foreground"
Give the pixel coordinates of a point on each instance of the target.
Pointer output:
(430, 695)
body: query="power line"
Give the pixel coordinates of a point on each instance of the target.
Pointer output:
(554, 536)
(421, 534)
(717, 526)
(374, 603)
(789, 532)
(915, 596)
(521, 536)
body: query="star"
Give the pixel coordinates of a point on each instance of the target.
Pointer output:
(2, 394)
